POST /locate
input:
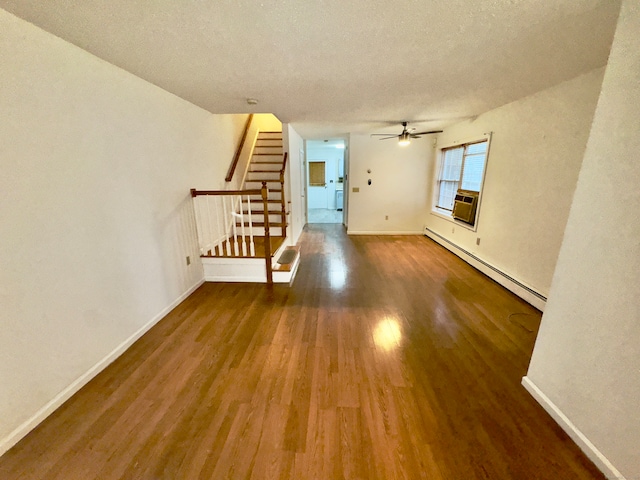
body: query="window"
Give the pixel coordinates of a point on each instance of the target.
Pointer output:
(316, 174)
(462, 167)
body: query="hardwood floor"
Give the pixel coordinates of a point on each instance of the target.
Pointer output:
(388, 358)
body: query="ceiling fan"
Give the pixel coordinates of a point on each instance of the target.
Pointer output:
(405, 137)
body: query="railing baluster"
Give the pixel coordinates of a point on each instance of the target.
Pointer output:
(244, 240)
(234, 228)
(210, 239)
(220, 243)
(216, 232)
(252, 246)
(226, 234)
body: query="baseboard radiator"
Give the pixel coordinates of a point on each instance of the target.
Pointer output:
(525, 292)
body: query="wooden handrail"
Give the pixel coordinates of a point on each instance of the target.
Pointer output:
(236, 157)
(195, 193)
(264, 194)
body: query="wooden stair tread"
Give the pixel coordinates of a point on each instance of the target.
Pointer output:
(289, 259)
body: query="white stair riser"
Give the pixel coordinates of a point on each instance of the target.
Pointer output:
(243, 270)
(267, 158)
(271, 184)
(268, 150)
(270, 135)
(271, 176)
(257, 199)
(268, 142)
(259, 217)
(272, 167)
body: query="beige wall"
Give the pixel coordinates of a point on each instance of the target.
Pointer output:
(536, 150)
(398, 185)
(261, 122)
(96, 218)
(586, 362)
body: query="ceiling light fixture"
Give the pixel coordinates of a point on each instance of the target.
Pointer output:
(252, 101)
(404, 139)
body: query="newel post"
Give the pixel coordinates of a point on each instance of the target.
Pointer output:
(267, 236)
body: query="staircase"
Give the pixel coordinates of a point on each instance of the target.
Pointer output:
(267, 165)
(232, 226)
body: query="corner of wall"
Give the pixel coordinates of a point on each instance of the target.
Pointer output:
(595, 455)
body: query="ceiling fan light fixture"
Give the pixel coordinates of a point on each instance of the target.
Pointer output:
(404, 139)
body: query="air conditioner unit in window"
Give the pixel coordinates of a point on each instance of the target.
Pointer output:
(464, 206)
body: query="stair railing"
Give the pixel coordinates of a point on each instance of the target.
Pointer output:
(283, 211)
(236, 157)
(219, 213)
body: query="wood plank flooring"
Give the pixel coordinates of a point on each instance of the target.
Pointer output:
(388, 358)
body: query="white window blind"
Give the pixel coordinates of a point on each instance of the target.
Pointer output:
(462, 167)
(450, 177)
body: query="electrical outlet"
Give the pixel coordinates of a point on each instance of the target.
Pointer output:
(356, 189)
(386, 217)
(453, 230)
(478, 241)
(188, 260)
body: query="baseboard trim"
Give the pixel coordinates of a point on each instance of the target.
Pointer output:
(590, 450)
(515, 286)
(236, 279)
(21, 431)
(383, 232)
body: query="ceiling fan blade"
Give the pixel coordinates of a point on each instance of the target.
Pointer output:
(387, 138)
(382, 135)
(426, 133)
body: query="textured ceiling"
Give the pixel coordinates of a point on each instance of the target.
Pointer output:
(335, 66)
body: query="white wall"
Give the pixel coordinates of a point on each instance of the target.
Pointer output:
(536, 151)
(96, 218)
(586, 362)
(398, 185)
(294, 144)
(345, 185)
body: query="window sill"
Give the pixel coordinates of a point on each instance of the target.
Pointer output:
(445, 215)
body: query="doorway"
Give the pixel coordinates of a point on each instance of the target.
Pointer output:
(325, 180)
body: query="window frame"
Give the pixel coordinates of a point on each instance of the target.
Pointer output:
(439, 165)
(313, 174)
